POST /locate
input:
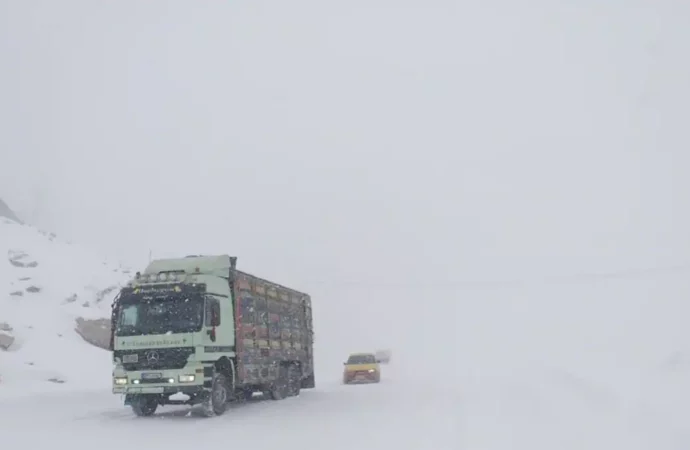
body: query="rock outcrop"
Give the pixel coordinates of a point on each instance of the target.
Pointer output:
(7, 213)
(6, 337)
(94, 331)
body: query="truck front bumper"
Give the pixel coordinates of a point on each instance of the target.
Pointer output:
(188, 380)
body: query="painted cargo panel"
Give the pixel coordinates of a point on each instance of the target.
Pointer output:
(274, 323)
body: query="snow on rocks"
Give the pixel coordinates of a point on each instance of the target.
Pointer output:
(55, 298)
(6, 338)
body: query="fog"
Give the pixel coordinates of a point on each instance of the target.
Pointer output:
(427, 170)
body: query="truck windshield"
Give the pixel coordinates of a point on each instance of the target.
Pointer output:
(142, 315)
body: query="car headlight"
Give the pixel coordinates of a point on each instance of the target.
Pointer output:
(187, 378)
(120, 380)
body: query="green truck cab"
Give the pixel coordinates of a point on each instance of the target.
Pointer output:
(199, 327)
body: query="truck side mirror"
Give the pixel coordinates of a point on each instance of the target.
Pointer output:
(215, 316)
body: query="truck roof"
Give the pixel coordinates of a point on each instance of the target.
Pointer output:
(216, 265)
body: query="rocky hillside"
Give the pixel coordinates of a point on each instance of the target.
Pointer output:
(54, 297)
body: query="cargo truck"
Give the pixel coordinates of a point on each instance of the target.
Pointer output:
(198, 328)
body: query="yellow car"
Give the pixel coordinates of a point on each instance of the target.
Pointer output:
(361, 368)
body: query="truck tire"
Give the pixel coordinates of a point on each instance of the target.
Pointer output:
(279, 388)
(216, 403)
(145, 405)
(294, 380)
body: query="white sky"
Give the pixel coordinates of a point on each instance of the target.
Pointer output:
(370, 141)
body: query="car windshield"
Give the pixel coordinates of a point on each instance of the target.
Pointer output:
(361, 359)
(142, 315)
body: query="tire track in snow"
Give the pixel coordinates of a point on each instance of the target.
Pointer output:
(397, 413)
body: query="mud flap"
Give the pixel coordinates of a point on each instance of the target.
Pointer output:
(309, 382)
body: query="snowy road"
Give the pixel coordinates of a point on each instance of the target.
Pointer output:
(332, 416)
(488, 412)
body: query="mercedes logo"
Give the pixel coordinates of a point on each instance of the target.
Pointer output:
(152, 356)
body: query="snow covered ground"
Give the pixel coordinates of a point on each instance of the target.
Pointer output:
(514, 410)
(45, 285)
(332, 416)
(588, 364)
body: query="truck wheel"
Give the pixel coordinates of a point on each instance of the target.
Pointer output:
(216, 403)
(144, 405)
(279, 389)
(294, 380)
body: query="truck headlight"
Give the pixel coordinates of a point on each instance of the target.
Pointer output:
(372, 370)
(187, 378)
(120, 380)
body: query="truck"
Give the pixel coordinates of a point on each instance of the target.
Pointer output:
(198, 328)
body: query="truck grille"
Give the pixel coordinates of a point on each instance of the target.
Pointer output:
(154, 358)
